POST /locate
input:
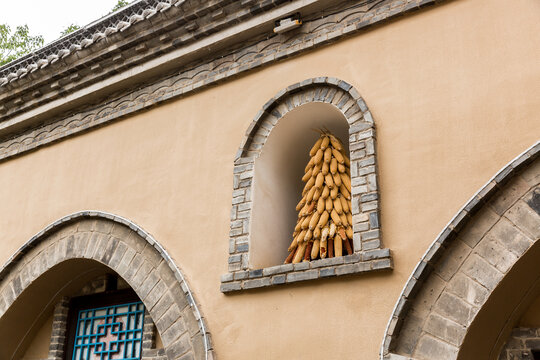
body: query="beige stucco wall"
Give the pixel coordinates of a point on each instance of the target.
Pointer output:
(39, 347)
(455, 93)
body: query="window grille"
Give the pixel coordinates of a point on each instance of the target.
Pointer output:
(107, 333)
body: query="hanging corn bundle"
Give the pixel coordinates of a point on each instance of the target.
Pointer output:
(324, 225)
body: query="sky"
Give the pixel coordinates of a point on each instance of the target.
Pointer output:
(50, 17)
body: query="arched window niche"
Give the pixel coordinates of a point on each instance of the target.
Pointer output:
(267, 186)
(277, 186)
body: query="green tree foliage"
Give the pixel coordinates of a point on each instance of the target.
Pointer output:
(18, 43)
(120, 4)
(71, 28)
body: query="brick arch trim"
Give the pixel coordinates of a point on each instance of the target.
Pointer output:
(132, 253)
(321, 89)
(369, 253)
(504, 217)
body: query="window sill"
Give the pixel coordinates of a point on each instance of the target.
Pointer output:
(362, 262)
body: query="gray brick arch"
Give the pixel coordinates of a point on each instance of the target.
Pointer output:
(134, 255)
(466, 263)
(369, 253)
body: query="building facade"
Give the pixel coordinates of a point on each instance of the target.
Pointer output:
(150, 164)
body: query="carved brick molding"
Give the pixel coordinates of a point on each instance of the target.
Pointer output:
(466, 263)
(318, 30)
(133, 255)
(369, 254)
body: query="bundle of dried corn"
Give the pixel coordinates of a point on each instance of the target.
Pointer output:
(324, 226)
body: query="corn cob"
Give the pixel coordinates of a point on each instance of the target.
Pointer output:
(349, 232)
(341, 232)
(311, 192)
(290, 257)
(323, 246)
(338, 246)
(330, 247)
(300, 237)
(333, 193)
(324, 225)
(343, 218)
(348, 246)
(332, 231)
(299, 252)
(327, 155)
(325, 192)
(314, 220)
(329, 204)
(307, 255)
(294, 244)
(336, 144)
(335, 217)
(320, 205)
(325, 168)
(345, 192)
(311, 207)
(316, 169)
(344, 204)
(317, 233)
(309, 235)
(346, 179)
(333, 167)
(323, 220)
(337, 179)
(319, 180)
(316, 194)
(309, 185)
(315, 147)
(304, 210)
(329, 180)
(307, 175)
(339, 157)
(315, 249)
(325, 142)
(309, 165)
(305, 222)
(318, 157)
(337, 206)
(301, 204)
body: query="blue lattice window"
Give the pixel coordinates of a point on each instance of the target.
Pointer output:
(110, 332)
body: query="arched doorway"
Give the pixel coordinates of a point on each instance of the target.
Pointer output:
(56, 262)
(479, 276)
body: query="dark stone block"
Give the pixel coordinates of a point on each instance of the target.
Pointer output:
(255, 273)
(534, 201)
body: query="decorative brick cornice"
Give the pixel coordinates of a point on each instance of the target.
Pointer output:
(141, 10)
(318, 29)
(134, 255)
(511, 197)
(369, 254)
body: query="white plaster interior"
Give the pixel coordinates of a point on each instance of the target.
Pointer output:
(277, 186)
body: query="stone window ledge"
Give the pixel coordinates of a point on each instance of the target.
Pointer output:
(361, 262)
